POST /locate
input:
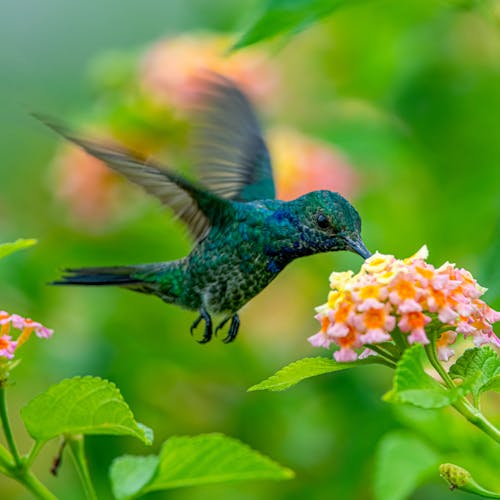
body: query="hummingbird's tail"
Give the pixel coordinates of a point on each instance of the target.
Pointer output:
(158, 279)
(100, 276)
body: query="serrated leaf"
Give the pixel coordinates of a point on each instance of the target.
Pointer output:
(8, 248)
(478, 368)
(414, 386)
(129, 474)
(402, 462)
(81, 405)
(211, 458)
(287, 16)
(492, 385)
(303, 368)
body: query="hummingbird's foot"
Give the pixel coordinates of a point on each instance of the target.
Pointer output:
(221, 325)
(207, 334)
(233, 328)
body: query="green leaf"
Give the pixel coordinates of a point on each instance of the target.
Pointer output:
(479, 369)
(81, 405)
(492, 385)
(287, 16)
(8, 248)
(190, 461)
(412, 385)
(303, 368)
(129, 474)
(402, 462)
(211, 458)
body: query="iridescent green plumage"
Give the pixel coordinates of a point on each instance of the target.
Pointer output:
(243, 236)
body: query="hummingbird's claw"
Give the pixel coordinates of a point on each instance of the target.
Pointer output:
(233, 329)
(221, 325)
(207, 334)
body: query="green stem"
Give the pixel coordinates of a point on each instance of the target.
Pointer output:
(33, 453)
(383, 353)
(35, 486)
(11, 464)
(473, 415)
(399, 339)
(6, 462)
(77, 448)
(6, 426)
(430, 349)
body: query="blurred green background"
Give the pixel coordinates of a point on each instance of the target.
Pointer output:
(409, 92)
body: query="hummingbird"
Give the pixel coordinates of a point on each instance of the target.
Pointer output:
(243, 236)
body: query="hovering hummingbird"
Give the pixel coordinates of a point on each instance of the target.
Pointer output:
(243, 236)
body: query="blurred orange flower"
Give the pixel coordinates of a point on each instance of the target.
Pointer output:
(304, 164)
(171, 69)
(89, 188)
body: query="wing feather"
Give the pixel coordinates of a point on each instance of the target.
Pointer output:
(196, 207)
(234, 161)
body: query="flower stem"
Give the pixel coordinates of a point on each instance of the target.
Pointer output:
(76, 445)
(35, 486)
(462, 405)
(399, 339)
(430, 349)
(6, 463)
(475, 417)
(383, 353)
(28, 460)
(6, 426)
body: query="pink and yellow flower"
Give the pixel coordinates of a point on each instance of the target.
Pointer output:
(303, 164)
(409, 295)
(170, 70)
(90, 189)
(7, 346)
(26, 327)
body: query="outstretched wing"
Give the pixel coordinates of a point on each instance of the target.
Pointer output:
(196, 207)
(234, 162)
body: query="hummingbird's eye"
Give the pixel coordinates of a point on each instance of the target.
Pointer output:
(322, 221)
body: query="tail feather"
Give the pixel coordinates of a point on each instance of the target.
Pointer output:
(100, 276)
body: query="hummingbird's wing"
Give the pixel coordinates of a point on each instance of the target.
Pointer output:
(195, 206)
(234, 162)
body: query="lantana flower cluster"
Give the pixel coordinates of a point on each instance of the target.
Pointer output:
(410, 297)
(25, 327)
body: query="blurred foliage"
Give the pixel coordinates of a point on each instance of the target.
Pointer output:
(408, 91)
(287, 16)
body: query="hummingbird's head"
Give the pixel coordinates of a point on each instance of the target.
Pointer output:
(328, 223)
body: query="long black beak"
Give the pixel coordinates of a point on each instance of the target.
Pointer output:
(357, 246)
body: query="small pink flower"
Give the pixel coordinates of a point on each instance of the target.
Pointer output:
(419, 336)
(366, 353)
(338, 330)
(319, 339)
(345, 354)
(5, 318)
(447, 315)
(445, 340)
(375, 336)
(414, 322)
(7, 346)
(408, 306)
(26, 325)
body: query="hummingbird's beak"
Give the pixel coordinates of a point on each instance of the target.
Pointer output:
(356, 245)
